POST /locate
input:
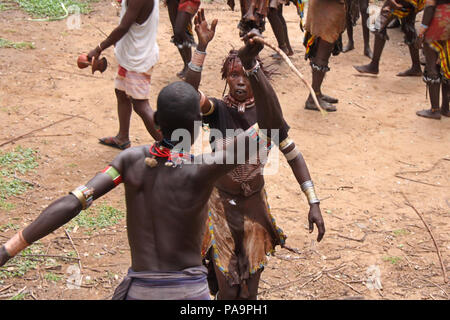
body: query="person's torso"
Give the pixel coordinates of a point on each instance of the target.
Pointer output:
(166, 214)
(138, 50)
(246, 178)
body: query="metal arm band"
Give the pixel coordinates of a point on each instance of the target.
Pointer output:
(308, 189)
(85, 195)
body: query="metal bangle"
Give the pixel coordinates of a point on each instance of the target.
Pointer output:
(253, 71)
(194, 67)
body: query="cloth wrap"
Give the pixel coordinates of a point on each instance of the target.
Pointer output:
(438, 36)
(325, 20)
(188, 284)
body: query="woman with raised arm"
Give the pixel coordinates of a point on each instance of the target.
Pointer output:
(241, 230)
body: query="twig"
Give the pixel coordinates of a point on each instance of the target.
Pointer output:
(19, 292)
(6, 288)
(344, 283)
(46, 256)
(353, 239)
(436, 286)
(359, 106)
(291, 65)
(408, 203)
(25, 181)
(398, 174)
(35, 130)
(77, 116)
(75, 248)
(295, 250)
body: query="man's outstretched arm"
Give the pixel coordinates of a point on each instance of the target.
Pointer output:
(63, 210)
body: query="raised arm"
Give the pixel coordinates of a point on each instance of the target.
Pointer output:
(131, 15)
(194, 74)
(63, 210)
(270, 116)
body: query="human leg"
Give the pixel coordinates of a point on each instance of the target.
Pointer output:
(124, 109)
(432, 79)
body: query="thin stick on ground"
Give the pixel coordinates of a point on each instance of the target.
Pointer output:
(344, 283)
(291, 65)
(75, 248)
(408, 203)
(35, 130)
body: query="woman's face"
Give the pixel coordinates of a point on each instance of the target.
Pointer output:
(240, 88)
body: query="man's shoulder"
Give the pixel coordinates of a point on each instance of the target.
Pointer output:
(131, 155)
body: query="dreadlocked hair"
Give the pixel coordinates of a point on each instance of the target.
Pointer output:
(231, 58)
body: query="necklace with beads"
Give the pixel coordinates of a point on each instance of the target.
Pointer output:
(164, 149)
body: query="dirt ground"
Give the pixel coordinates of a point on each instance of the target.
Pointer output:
(354, 156)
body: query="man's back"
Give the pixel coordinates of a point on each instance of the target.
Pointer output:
(166, 212)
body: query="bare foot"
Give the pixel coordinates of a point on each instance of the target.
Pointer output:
(310, 105)
(368, 68)
(429, 114)
(413, 72)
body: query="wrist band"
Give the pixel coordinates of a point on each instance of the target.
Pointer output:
(253, 71)
(195, 68)
(16, 244)
(114, 174)
(308, 189)
(198, 57)
(196, 63)
(100, 47)
(85, 195)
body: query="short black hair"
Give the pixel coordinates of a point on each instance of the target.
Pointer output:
(178, 106)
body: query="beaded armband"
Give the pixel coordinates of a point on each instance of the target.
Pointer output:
(258, 135)
(114, 174)
(85, 195)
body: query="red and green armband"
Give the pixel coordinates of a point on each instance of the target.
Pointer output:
(114, 174)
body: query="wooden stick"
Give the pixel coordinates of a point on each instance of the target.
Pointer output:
(35, 130)
(344, 283)
(408, 203)
(73, 245)
(291, 65)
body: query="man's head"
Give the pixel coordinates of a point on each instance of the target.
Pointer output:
(178, 107)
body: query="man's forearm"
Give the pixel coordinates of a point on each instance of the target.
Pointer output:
(113, 38)
(54, 216)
